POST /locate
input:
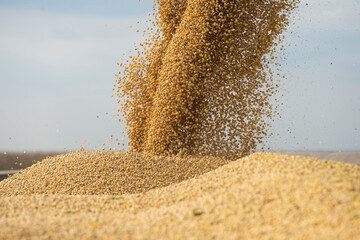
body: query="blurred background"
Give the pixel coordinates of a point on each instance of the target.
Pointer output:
(58, 65)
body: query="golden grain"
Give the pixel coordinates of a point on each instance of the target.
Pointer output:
(263, 196)
(201, 83)
(105, 173)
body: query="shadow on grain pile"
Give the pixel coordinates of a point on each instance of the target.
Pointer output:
(262, 196)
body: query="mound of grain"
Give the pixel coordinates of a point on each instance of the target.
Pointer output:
(263, 196)
(105, 173)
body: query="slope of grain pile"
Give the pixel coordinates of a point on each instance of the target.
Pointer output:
(263, 196)
(105, 173)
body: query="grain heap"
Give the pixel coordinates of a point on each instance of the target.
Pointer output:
(105, 173)
(263, 196)
(201, 83)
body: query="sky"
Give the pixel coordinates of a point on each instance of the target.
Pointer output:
(58, 65)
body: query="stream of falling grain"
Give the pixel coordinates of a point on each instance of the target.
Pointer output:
(201, 83)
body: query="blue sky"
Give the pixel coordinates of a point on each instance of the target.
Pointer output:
(58, 60)
(108, 8)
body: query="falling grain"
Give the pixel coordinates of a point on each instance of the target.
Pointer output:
(201, 83)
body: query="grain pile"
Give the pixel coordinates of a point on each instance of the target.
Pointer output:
(263, 196)
(105, 173)
(201, 82)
